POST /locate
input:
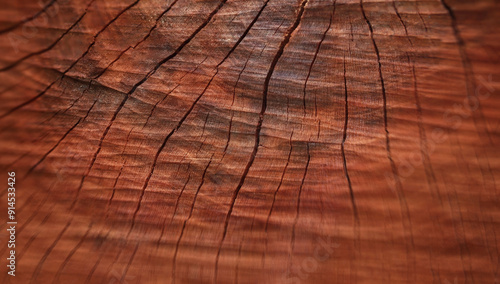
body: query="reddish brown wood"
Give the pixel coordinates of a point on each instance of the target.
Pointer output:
(259, 141)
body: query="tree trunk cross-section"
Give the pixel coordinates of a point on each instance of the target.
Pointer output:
(251, 141)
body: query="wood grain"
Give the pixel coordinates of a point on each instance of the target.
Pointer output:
(258, 141)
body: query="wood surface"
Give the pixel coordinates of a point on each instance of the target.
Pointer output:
(251, 141)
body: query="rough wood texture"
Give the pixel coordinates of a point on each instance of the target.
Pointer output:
(251, 141)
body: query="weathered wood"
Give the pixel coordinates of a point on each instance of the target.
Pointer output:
(258, 141)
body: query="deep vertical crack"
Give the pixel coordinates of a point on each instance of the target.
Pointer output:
(470, 80)
(277, 190)
(342, 147)
(297, 214)
(399, 188)
(314, 60)
(276, 58)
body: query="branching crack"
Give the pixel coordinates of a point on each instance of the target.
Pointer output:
(278, 55)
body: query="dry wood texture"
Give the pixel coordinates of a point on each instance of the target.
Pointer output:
(251, 141)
